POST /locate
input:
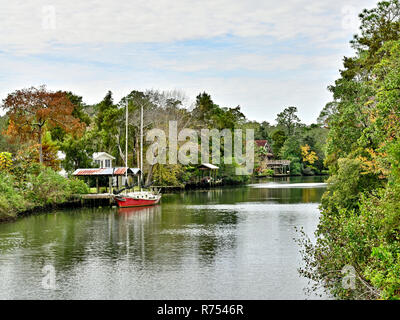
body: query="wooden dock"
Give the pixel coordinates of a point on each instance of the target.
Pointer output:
(94, 196)
(97, 199)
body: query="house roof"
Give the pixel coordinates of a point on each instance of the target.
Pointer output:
(102, 155)
(106, 171)
(265, 144)
(261, 143)
(208, 166)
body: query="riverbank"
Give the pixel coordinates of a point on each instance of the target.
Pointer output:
(89, 200)
(45, 190)
(35, 190)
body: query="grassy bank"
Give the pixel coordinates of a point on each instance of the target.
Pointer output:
(43, 187)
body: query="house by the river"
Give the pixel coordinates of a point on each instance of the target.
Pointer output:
(268, 161)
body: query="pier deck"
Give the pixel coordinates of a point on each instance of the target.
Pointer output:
(94, 196)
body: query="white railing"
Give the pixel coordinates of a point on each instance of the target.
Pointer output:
(278, 163)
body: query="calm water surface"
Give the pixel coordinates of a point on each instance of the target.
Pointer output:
(231, 243)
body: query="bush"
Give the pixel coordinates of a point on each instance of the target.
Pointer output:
(295, 168)
(78, 186)
(229, 174)
(5, 161)
(360, 229)
(307, 171)
(344, 187)
(47, 188)
(11, 201)
(40, 187)
(268, 172)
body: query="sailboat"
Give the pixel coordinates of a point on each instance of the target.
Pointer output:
(139, 198)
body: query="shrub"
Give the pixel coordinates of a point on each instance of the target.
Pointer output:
(360, 229)
(42, 186)
(5, 161)
(295, 167)
(47, 188)
(307, 171)
(344, 187)
(78, 186)
(11, 201)
(268, 172)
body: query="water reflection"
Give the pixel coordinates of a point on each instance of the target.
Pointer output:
(233, 243)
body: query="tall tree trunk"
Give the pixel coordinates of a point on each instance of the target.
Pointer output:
(137, 152)
(40, 146)
(121, 153)
(149, 175)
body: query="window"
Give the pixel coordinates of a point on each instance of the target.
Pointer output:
(108, 163)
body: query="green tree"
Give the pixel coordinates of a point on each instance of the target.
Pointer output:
(79, 152)
(360, 214)
(288, 120)
(278, 138)
(291, 151)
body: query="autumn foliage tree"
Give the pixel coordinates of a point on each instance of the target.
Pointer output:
(308, 155)
(33, 111)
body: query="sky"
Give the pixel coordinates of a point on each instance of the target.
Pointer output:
(262, 55)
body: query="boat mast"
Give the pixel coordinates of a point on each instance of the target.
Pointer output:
(141, 145)
(126, 145)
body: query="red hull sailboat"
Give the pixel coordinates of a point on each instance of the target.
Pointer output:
(140, 198)
(137, 199)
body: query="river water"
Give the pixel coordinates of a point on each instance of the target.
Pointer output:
(228, 243)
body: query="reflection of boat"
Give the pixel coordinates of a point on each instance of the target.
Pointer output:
(135, 210)
(137, 199)
(140, 198)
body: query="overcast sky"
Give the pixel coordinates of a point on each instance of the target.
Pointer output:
(262, 55)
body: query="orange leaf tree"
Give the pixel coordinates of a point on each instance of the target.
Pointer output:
(32, 111)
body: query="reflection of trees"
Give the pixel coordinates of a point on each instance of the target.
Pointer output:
(310, 195)
(152, 236)
(213, 196)
(205, 230)
(59, 239)
(287, 195)
(190, 227)
(161, 236)
(211, 243)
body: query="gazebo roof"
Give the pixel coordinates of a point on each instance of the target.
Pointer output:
(209, 166)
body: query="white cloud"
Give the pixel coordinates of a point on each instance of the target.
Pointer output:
(281, 54)
(25, 25)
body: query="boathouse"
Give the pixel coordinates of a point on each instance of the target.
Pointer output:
(116, 176)
(280, 167)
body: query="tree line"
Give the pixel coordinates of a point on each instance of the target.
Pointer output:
(359, 228)
(39, 122)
